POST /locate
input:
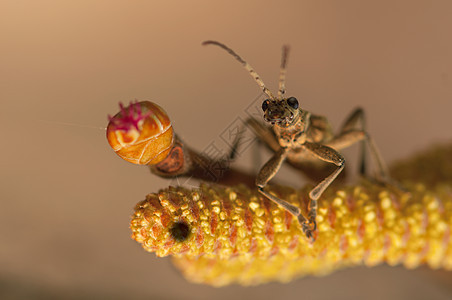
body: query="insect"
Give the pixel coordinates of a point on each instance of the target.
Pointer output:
(141, 133)
(302, 137)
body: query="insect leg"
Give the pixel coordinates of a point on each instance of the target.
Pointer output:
(235, 145)
(264, 133)
(329, 155)
(357, 116)
(267, 172)
(351, 133)
(265, 136)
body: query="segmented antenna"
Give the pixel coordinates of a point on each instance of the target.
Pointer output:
(282, 72)
(245, 65)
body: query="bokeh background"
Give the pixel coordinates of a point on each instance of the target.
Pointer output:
(66, 198)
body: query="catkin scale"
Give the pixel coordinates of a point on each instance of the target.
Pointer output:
(141, 133)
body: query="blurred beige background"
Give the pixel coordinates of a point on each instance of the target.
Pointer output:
(66, 198)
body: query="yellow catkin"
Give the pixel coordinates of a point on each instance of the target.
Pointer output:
(238, 236)
(257, 241)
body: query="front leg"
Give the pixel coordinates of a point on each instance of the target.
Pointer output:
(266, 136)
(264, 133)
(267, 172)
(330, 155)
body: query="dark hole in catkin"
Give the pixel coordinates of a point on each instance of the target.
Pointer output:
(180, 231)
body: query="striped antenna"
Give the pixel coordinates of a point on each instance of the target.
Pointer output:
(282, 72)
(245, 65)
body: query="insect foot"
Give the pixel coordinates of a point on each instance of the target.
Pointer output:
(309, 228)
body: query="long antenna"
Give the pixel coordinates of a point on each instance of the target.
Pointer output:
(245, 65)
(282, 72)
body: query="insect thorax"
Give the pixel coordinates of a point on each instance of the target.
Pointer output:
(294, 135)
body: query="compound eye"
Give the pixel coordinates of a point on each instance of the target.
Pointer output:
(265, 105)
(293, 102)
(180, 231)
